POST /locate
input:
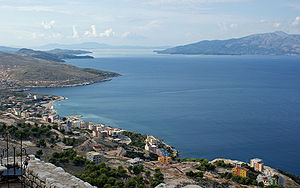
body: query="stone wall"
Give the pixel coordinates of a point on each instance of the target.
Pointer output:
(39, 174)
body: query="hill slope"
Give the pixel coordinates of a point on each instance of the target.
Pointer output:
(277, 43)
(22, 71)
(53, 55)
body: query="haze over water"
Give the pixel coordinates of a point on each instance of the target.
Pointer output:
(237, 107)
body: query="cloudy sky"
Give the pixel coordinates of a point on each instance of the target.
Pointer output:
(141, 22)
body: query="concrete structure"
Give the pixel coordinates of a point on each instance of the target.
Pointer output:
(163, 185)
(257, 164)
(94, 157)
(243, 172)
(41, 174)
(135, 162)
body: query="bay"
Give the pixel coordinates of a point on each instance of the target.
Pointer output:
(237, 107)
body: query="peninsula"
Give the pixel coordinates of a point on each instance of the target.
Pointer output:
(20, 72)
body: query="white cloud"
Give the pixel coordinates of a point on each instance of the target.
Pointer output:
(233, 25)
(49, 25)
(296, 21)
(262, 21)
(107, 33)
(276, 25)
(125, 34)
(75, 33)
(93, 33)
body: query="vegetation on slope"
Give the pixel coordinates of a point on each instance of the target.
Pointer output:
(33, 72)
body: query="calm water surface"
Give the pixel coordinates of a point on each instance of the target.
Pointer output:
(236, 107)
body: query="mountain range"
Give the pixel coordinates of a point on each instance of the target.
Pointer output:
(95, 45)
(276, 43)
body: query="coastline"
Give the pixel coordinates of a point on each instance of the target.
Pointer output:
(184, 165)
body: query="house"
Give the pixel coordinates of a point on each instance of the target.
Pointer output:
(94, 157)
(135, 162)
(257, 164)
(99, 148)
(243, 172)
(76, 124)
(151, 148)
(95, 133)
(92, 127)
(152, 140)
(164, 159)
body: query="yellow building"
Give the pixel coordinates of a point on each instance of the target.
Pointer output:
(243, 172)
(164, 159)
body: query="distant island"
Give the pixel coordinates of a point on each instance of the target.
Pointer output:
(57, 55)
(276, 43)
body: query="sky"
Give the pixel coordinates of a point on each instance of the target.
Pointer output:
(26, 23)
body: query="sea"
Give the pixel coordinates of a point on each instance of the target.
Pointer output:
(237, 107)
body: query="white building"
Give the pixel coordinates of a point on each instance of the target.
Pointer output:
(257, 164)
(94, 157)
(151, 148)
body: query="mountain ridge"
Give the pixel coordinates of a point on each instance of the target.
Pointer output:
(275, 43)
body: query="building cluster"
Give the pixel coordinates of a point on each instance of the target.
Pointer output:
(30, 108)
(152, 145)
(102, 131)
(267, 175)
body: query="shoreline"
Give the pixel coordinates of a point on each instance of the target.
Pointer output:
(79, 116)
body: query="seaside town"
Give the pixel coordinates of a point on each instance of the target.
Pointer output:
(48, 137)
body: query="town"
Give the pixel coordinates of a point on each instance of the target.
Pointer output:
(58, 140)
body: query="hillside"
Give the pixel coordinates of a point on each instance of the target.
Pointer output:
(22, 71)
(57, 55)
(276, 43)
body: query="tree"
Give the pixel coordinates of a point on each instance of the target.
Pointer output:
(147, 173)
(130, 183)
(158, 178)
(261, 184)
(78, 160)
(111, 180)
(52, 160)
(41, 143)
(138, 169)
(39, 153)
(119, 183)
(121, 172)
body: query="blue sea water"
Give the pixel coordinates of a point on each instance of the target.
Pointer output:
(237, 107)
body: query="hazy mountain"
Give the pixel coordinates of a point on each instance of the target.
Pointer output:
(53, 55)
(276, 43)
(5, 49)
(68, 52)
(95, 45)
